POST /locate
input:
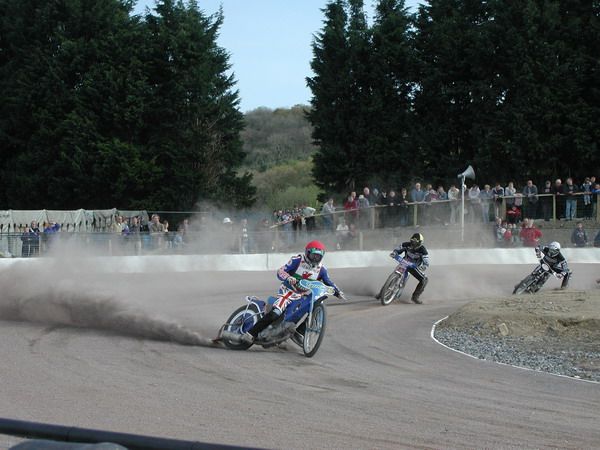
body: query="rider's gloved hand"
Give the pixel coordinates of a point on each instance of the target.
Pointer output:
(291, 281)
(394, 254)
(338, 294)
(538, 253)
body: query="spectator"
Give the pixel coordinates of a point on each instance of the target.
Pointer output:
(486, 199)
(587, 188)
(296, 222)
(133, 235)
(497, 195)
(530, 194)
(570, 190)
(308, 212)
(417, 194)
(597, 239)
(169, 235)
(519, 202)
(370, 196)
(341, 233)
(508, 235)
(50, 231)
(513, 215)
(327, 212)
(595, 194)
(156, 230)
(351, 208)
(403, 202)
(286, 220)
(474, 203)
(499, 232)
(245, 244)
(264, 239)
(382, 197)
(31, 240)
(453, 196)
(530, 235)
(364, 211)
(117, 226)
(557, 190)
(579, 236)
(391, 213)
(546, 201)
(509, 194)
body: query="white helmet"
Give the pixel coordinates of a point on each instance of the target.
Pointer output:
(553, 248)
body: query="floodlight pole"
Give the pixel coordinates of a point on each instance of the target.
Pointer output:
(462, 209)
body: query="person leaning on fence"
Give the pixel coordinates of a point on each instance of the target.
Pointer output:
(327, 212)
(586, 188)
(530, 199)
(156, 230)
(557, 190)
(31, 240)
(546, 201)
(569, 190)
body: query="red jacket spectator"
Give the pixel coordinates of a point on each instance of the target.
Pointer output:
(530, 234)
(513, 214)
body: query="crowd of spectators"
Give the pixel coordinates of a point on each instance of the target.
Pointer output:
(510, 211)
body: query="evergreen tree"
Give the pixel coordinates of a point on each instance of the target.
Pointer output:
(105, 110)
(391, 143)
(330, 86)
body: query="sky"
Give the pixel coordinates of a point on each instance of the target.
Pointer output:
(269, 42)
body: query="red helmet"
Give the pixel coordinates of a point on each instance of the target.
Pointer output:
(314, 252)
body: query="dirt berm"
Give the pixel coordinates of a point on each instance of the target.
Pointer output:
(564, 326)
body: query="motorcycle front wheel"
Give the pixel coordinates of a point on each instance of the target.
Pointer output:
(315, 331)
(524, 286)
(391, 289)
(239, 322)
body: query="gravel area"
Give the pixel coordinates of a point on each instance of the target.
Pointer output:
(556, 332)
(543, 355)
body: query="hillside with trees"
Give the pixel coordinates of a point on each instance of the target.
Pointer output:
(278, 146)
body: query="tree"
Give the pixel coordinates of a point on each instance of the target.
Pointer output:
(103, 109)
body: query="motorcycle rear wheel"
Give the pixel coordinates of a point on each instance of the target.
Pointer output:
(391, 289)
(315, 331)
(241, 321)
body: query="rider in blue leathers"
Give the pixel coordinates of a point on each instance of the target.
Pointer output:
(307, 266)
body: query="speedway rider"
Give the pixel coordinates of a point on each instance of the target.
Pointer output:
(416, 253)
(551, 255)
(308, 266)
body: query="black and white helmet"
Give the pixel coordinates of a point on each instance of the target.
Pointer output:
(416, 240)
(553, 248)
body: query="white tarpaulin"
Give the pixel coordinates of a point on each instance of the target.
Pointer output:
(15, 221)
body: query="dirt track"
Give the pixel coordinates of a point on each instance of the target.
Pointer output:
(379, 380)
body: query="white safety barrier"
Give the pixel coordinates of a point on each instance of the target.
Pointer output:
(272, 261)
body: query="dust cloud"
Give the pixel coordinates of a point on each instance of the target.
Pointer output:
(56, 292)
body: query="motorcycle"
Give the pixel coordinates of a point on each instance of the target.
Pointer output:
(303, 321)
(536, 279)
(394, 285)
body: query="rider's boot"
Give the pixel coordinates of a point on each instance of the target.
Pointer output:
(419, 290)
(263, 323)
(565, 280)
